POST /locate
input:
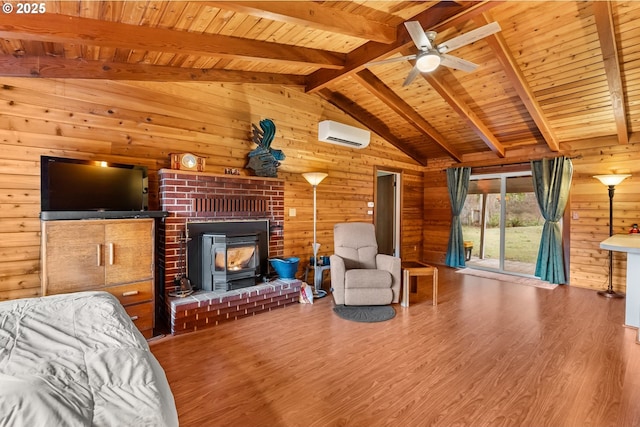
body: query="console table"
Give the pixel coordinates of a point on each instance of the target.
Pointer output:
(629, 243)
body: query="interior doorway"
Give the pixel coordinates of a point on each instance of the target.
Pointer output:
(387, 211)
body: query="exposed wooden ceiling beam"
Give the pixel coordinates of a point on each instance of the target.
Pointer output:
(607, 35)
(371, 122)
(404, 110)
(519, 83)
(311, 14)
(70, 29)
(437, 18)
(47, 67)
(466, 113)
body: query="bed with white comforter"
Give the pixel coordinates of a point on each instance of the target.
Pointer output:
(78, 360)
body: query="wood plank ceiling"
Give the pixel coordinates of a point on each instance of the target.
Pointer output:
(558, 71)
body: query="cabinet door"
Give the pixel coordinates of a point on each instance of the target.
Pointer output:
(73, 256)
(129, 251)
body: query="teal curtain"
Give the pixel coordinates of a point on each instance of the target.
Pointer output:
(458, 185)
(551, 183)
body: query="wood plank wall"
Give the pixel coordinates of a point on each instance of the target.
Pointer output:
(588, 216)
(141, 123)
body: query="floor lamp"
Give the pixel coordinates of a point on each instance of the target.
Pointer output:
(611, 181)
(315, 178)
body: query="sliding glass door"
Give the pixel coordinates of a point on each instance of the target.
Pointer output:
(502, 223)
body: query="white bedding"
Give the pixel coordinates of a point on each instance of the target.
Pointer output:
(78, 360)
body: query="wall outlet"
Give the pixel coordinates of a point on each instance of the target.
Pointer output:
(369, 212)
(370, 204)
(292, 211)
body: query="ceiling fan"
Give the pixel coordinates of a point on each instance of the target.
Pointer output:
(430, 55)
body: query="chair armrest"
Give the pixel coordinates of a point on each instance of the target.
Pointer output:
(394, 266)
(337, 278)
(388, 262)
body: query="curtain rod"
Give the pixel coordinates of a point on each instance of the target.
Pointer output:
(515, 163)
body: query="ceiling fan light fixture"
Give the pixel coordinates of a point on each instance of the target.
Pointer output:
(427, 62)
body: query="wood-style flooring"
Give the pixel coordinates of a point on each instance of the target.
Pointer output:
(489, 354)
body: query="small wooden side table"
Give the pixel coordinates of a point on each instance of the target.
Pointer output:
(414, 269)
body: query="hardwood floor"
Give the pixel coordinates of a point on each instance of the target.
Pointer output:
(489, 354)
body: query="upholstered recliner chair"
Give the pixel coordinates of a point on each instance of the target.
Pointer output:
(359, 274)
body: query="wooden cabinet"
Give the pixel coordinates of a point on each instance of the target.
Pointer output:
(116, 256)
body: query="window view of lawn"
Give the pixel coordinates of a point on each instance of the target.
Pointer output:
(521, 242)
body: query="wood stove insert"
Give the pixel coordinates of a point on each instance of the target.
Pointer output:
(230, 261)
(227, 255)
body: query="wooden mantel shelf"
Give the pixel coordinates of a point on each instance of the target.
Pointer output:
(217, 175)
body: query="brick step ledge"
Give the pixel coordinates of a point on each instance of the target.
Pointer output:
(205, 309)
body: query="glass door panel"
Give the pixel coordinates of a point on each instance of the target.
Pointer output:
(523, 226)
(481, 221)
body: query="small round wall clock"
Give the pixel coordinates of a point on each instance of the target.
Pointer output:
(187, 161)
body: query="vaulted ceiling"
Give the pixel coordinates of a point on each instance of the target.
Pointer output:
(557, 74)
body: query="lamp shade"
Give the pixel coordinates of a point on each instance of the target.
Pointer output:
(613, 179)
(428, 61)
(314, 178)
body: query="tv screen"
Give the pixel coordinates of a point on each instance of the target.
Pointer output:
(81, 185)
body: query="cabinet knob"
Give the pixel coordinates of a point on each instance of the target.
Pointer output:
(134, 318)
(130, 293)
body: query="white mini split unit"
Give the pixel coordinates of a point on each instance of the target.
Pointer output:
(340, 134)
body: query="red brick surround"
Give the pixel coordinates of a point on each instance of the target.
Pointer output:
(201, 197)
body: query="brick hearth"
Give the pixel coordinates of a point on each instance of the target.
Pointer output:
(206, 309)
(204, 197)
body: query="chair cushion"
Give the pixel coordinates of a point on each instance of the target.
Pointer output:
(365, 278)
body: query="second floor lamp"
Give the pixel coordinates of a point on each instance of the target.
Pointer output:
(611, 181)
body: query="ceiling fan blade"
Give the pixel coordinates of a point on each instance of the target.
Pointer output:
(412, 75)
(387, 61)
(468, 38)
(457, 63)
(418, 35)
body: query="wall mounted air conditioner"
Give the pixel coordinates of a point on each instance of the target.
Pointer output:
(338, 133)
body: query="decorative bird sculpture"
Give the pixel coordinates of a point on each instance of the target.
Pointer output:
(264, 160)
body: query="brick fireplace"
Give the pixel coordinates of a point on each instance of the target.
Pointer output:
(200, 198)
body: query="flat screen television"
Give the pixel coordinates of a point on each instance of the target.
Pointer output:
(84, 185)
